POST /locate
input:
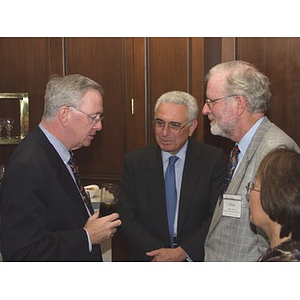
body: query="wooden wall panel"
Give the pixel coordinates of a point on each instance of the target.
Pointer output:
(56, 56)
(196, 80)
(136, 123)
(279, 59)
(170, 67)
(213, 55)
(102, 59)
(24, 67)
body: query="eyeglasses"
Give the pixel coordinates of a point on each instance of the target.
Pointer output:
(250, 188)
(210, 103)
(98, 118)
(174, 127)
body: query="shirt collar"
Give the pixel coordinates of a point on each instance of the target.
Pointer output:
(246, 139)
(180, 154)
(61, 149)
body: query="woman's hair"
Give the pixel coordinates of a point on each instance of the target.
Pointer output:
(279, 175)
(242, 78)
(180, 98)
(67, 90)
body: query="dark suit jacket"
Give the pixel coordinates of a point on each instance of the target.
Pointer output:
(43, 214)
(142, 204)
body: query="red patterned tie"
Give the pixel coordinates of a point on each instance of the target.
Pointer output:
(233, 161)
(74, 168)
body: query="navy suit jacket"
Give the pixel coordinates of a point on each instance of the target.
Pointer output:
(142, 204)
(42, 212)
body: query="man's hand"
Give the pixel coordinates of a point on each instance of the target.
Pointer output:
(168, 254)
(102, 229)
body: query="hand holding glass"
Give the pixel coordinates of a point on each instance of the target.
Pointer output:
(108, 199)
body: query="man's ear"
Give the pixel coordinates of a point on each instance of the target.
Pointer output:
(64, 115)
(193, 127)
(241, 103)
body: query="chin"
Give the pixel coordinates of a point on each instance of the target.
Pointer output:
(166, 149)
(251, 220)
(215, 130)
(86, 143)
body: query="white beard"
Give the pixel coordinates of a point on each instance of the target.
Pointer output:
(226, 132)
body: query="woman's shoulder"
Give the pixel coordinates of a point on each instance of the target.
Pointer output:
(288, 251)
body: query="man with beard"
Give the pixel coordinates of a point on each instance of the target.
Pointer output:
(237, 101)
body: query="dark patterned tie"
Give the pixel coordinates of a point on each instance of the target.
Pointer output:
(171, 195)
(233, 161)
(74, 168)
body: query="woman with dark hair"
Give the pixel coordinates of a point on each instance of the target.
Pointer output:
(275, 204)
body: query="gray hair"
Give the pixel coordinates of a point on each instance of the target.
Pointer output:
(180, 98)
(242, 78)
(67, 90)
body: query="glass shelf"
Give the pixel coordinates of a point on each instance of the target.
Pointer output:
(14, 140)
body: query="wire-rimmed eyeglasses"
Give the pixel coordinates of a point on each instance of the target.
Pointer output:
(174, 127)
(98, 118)
(210, 103)
(250, 188)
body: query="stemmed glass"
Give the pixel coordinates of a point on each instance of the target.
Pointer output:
(9, 126)
(2, 170)
(2, 124)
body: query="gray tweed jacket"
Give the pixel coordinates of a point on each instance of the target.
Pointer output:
(236, 239)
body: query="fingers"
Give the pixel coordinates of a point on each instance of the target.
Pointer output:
(112, 217)
(102, 229)
(94, 216)
(152, 253)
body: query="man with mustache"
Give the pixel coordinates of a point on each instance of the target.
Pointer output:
(199, 170)
(237, 101)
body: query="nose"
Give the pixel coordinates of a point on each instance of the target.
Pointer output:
(206, 109)
(98, 126)
(166, 129)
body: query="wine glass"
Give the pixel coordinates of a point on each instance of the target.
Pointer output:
(9, 126)
(2, 124)
(2, 170)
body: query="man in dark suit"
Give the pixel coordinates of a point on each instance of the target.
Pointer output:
(199, 172)
(43, 213)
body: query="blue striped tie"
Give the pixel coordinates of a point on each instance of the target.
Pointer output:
(171, 195)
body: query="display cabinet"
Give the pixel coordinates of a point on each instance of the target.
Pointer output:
(14, 117)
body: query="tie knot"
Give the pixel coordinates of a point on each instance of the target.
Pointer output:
(72, 158)
(235, 150)
(172, 160)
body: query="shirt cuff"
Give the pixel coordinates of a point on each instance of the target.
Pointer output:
(89, 240)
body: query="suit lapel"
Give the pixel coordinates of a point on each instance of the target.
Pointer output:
(62, 174)
(190, 177)
(156, 190)
(235, 185)
(252, 148)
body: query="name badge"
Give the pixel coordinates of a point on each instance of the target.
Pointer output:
(232, 205)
